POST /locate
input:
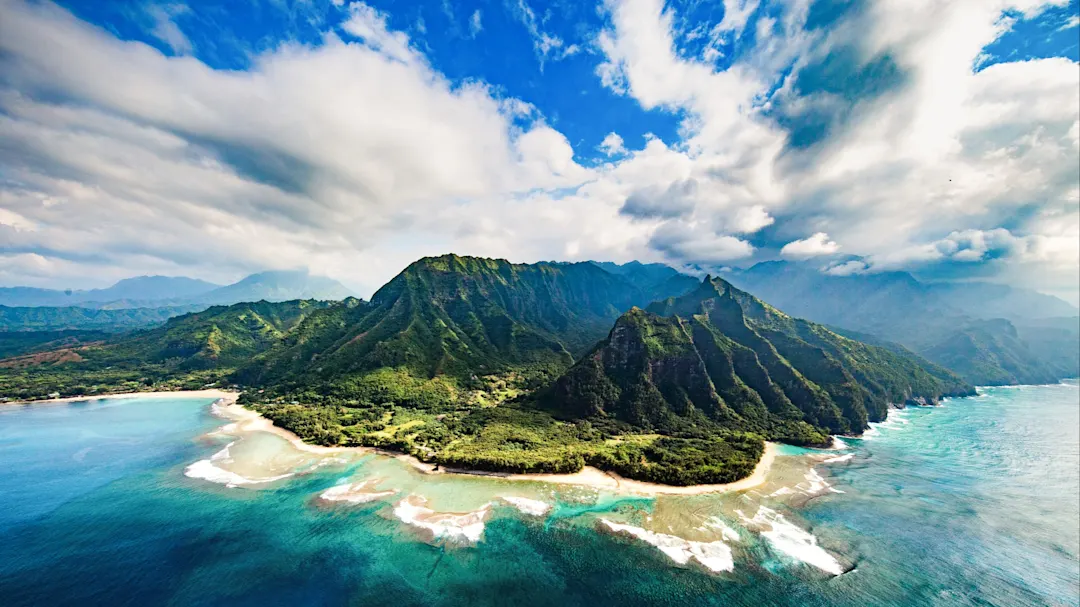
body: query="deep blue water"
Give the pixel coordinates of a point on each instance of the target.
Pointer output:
(974, 503)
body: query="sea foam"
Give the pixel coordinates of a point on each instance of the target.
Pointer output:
(726, 531)
(528, 506)
(789, 539)
(714, 556)
(838, 459)
(466, 526)
(354, 493)
(208, 470)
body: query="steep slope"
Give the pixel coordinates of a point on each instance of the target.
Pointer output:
(720, 357)
(450, 319)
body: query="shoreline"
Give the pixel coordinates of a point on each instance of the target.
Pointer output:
(248, 420)
(243, 419)
(207, 393)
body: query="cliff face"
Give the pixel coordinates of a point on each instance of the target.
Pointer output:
(718, 357)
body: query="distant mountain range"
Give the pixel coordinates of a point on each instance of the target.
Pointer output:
(165, 291)
(989, 333)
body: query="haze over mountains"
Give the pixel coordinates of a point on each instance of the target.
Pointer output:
(160, 291)
(989, 333)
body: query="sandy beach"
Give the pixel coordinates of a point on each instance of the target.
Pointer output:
(211, 393)
(246, 420)
(610, 481)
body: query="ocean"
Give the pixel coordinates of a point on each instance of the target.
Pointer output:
(149, 502)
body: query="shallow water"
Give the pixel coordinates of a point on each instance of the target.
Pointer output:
(974, 503)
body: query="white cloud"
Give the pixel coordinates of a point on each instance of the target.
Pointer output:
(301, 161)
(748, 220)
(126, 158)
(847, 268)
(612, 145)
(546, 44)
(475, 25)
(690, 242)
(369, 24)
(813, 246)
(165, 28)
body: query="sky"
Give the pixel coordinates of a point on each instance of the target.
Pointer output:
(218, 138)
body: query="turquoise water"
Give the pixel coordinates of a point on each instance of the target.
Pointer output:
(974, 503)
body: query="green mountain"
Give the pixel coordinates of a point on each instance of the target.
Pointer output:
(484, 364)
(657, 280)
(17, 343)
(719, 357)
(450, 320)
(186, 351)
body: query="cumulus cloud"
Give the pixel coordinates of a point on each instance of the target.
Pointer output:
(677, 200)
(813, 246)
(127, 158)
(877, 133)
(696, 244)
(919, 146)
(612, 145)
(847, 268)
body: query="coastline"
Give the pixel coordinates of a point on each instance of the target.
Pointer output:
(208, 393)
(245, 420)
(248, 420)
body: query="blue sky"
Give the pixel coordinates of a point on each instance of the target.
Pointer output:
(214, 138)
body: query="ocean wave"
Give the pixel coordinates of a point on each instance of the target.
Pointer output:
(726, 532)
(838, 459)
(714, 556)
(528, 506)
(466, 526)
(208, 470)
(355, 493)
(792, 541)
(217, 408)
(782, 491)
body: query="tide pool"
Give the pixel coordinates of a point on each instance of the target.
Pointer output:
(973, 503)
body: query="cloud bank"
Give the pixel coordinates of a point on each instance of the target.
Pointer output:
(874, 132)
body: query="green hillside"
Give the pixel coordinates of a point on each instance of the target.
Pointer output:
(718, 357)
(484, 364)
(187, 351)
(443, 323)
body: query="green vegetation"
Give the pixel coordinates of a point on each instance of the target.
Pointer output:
(719, 359)
(187, 352)
(17, 343)
(68, 318)
(488, 365)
